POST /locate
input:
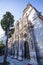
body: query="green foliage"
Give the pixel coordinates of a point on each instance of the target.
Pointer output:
(1, 46)
(7, 21)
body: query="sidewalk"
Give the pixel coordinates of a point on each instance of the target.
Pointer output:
(24, 62)
(14, 61)
(1, 59)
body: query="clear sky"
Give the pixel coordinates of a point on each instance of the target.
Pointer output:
(16, 7)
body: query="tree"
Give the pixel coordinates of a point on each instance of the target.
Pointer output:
(2, 46)
(7, 22)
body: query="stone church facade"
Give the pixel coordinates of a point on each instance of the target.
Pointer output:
(28, 34)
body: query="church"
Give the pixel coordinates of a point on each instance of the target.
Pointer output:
(27, 40)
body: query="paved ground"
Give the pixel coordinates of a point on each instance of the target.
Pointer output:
(1, 59)
(24, 62)
(14, 61)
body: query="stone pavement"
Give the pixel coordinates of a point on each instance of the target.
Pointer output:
(1, 59)
(14, 61)
(24, 62)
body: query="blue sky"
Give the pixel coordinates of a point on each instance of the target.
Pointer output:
(16, 7)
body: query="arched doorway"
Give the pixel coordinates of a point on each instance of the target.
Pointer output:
(26, 50)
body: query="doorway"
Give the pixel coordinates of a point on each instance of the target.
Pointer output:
(26, 50)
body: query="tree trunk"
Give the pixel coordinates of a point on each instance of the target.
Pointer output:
(6, 48)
